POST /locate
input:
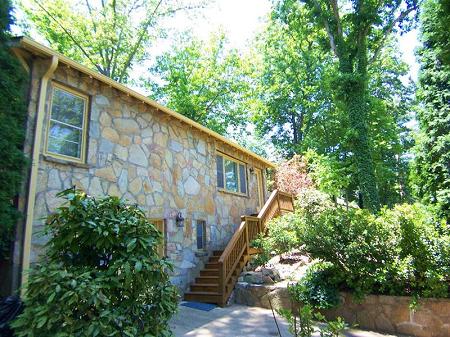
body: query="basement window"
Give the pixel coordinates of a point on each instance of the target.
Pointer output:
(201, 234)
(66, 129)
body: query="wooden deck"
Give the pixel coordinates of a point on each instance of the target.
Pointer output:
(216, 281)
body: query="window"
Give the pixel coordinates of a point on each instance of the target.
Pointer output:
(231, 175)
(67, 124)
(201, 234)
(160, 225)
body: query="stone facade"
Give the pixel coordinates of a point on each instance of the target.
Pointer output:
(390, 314)
(142, 154)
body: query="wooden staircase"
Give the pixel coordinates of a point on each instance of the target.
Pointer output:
(216, 281)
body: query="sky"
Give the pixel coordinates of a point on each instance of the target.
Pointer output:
(242, 19)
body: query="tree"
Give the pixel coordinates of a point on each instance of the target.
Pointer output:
(203, 81)
(291, 82)
(432, 162)
(357, 33)
(13, 85)
(108, 36)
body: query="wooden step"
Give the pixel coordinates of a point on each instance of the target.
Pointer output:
(209, 272)
(207, 279)
(214, 259)
(212, 265)
(203, 296)
(205, 287)
(217, 252)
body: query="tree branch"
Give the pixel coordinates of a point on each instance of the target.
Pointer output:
(388, 30)
(72, 38)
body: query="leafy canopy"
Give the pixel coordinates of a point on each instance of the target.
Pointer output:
(204, 81)
(108, 36)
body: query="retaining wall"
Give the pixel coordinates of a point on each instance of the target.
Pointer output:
(391, 314)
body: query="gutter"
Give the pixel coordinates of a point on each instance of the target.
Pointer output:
(31, 199)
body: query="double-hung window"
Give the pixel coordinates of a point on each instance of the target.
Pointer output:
(66, 133)
(231, 175)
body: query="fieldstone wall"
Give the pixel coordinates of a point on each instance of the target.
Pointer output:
(139, 153)
(393, 314)
(390, 314)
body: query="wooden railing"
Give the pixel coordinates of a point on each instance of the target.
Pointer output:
(237, 251)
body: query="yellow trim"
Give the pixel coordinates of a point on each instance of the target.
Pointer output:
(160, 225)
(35, 47)
(34, 171)
(84, 97)
(238, 162)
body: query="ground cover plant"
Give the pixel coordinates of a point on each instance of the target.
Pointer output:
(101, 274)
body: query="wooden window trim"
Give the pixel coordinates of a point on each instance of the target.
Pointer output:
(82, 159)
(238, 162)
(164, 233)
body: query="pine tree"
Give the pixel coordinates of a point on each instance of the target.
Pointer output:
(432, 172)
(12, 118)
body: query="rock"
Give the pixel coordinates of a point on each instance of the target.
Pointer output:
(123, 181)
(272, 273)
(106, 173)
(267, 280)
(253, 277)
(124, 125)
(137, 156)
(101, 100)
(191, 186)
(111, 135)
(175, 146)
(54, 182)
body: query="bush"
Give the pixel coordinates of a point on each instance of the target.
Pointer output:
(101, 274)
(318, 288)
(402, 251)
(292, 177)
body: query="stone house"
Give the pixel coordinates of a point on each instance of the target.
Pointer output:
(87, 130)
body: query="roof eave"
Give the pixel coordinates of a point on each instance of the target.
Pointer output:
(40, 49)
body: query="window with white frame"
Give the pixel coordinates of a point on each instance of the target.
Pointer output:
(66, 132)
(231, 174)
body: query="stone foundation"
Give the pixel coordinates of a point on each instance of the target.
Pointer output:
(390, 314)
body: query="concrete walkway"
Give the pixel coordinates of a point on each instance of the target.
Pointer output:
(237, 321)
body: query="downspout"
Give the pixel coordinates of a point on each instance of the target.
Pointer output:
(31, 199)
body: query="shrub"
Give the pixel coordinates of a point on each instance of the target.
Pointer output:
(402, 251)
(424, 243)
(100, 276)
(318, 288)
(292, 177)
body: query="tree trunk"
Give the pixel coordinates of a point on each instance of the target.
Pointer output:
(354, 90)
(357, 109)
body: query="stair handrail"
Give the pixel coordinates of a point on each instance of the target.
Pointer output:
(272, 208)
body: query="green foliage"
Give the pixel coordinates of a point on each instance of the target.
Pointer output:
(317, 288)
(301, 322)
(108, 36)
(13, 91)
(101, 274)
(203, 81)
(432, 168)
(356, 36)
(403, 251)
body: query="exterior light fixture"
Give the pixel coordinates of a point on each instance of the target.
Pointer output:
(179, 220)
